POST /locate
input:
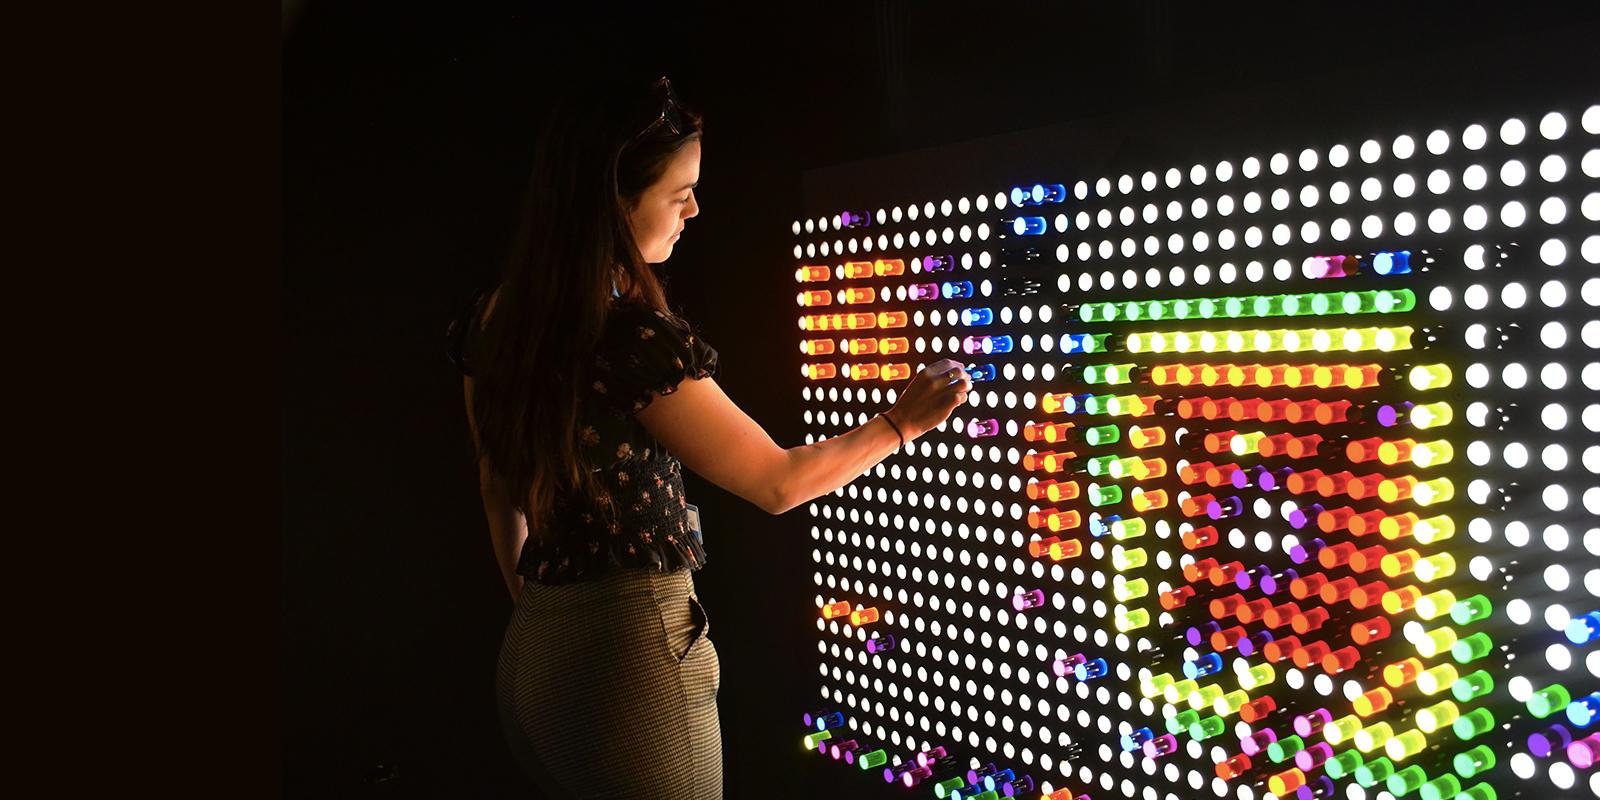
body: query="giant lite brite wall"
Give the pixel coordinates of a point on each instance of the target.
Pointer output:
(1280, 477)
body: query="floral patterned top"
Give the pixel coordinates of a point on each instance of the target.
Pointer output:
(642, 354)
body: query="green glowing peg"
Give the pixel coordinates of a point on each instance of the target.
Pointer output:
(1100, 465)
(1096, 403)
(1295, 305)
(1095, 343)
(989, 795)
(1395, 301)
(1443, 787)
(1267, 305)
(1158, 309)
(1086, 313)
(1104, 495)
(813, 739)
(1107, 312)
(1481, 791)
(1405, 781)
(876, 758)
(1374, 772)
(1095, 373)
(943, 788)
(1102, 434)
(1360, 302)
(1181, 721)
(1132, 311)
(1120, 373)
(1343, 765)
(1549, 700)
(1473, 723)
(1472, 609)
(1472, 648)
(1285, 748)
(1325, 302)
(1472, 686)
(1183, 309)
(1233, 307)
(1207, 308)
(1207, 728)
(1472, 762)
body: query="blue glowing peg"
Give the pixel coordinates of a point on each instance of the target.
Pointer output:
(1101, 526)
(1584, 629)
(1048, 193)
(1028, 226)
(1135, 739)
(833, 720)
(981, 372)
(1395, 263)
(991, 781)
(1208, 664)
(996, 344)
(1022, 196)
(1582, 711)
(954, 289)
(976, 316)
(1090, 670)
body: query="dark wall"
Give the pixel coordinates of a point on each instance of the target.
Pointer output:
(406, 138)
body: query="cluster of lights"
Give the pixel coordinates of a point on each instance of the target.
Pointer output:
(1192, 555)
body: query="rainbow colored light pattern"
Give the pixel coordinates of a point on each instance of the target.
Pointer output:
(1280, 476)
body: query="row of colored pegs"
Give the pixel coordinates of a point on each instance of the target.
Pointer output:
(1322, 412)
(1273, 340)
(888, 345)
(1384, 301)
(864, 616)
(1081, 667)
(865, 371)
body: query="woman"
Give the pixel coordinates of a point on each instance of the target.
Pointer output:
(585, 396)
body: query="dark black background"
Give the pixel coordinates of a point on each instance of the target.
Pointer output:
(407, 134)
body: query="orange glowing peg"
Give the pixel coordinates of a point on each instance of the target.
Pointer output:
(815, 297)
(1269, 376)
(1142, 438)
(858, 269)
(1194, 473)
(891, 319)
(1302, 411)
(864, 372)
(811, 274)
(834, 610)
(1231, 768)
(1271, 411)
(1163, 374)
(1302, 446)
(1149, 501)
(1038, 519)
(1211, 374)
(1038, 547)
(818, 347)
(1064, 490)
(859, 321)
(863, 346)
(1304, 375)
(1064, 520)
(1401, 673)
(1365, 376)
(821, 371)
(856, 295)
(1195, 570)
(893, 345)
(1373, 702)
(889, 267)
(1367, 522)
(1200, 537)
(1175, 597)
(1257, 709)
(865, 616)
(896, 372)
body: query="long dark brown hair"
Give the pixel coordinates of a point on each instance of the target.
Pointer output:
(573, 245)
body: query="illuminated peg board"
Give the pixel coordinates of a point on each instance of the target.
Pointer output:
(1282, 478)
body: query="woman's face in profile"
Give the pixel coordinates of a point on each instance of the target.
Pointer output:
(658, 218)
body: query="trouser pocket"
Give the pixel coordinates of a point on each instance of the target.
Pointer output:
(699, 625)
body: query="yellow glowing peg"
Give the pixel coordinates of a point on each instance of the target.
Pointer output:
(1435, 604)
(1159, 683)
(1247, 443)
(1373, 736)
(1230, 703)
(1433, 529)
(1134, 619)
(1204, 696)
(1428, 454)
(1238, 341)
(1298, 341)
(1392, 339)
(1439, 715)
(1208, 342)
(1436, 641)
(1434, 567)
(1434, 491)
(1437, 679)
(1124, 590)
(1179, 690)
(1405, 745)
(1257, 676)
(1135, 343)
(1182, 342)
(1269, 341)
(1132, 558)
(1429, 376)
(1342, 729)
(1431, 415)
(1358, 339)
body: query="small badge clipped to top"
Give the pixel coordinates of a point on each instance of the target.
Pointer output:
(694, 521)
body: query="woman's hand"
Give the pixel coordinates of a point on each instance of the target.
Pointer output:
(930, 397)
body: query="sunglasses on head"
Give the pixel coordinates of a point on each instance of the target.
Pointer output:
(669, 115)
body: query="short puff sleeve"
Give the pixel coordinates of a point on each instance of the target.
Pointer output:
(644, 353)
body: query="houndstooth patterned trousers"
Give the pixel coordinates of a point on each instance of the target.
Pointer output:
(607, 689)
